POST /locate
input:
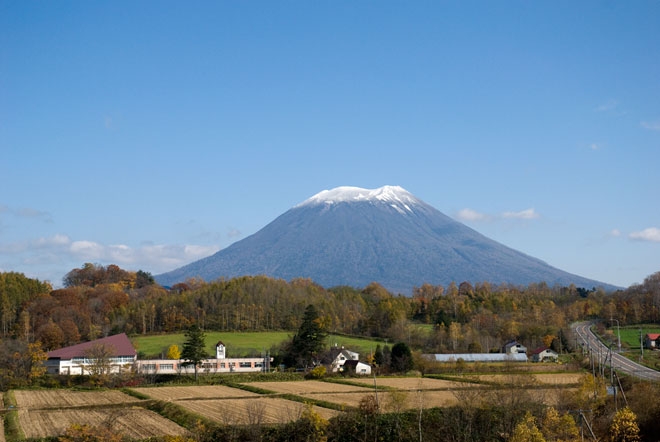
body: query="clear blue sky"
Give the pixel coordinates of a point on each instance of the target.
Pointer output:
(150, 134)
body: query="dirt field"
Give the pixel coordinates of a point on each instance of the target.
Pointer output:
(134, 422)
(194, 392)
(252, 411)
(39, 399)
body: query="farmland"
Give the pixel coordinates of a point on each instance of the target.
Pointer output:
(46, 413)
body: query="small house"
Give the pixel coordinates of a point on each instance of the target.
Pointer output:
(336, 357)
(652, 341)
(357, 367)
(544, 354)
(514, 347)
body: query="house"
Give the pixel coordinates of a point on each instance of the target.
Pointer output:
(356, 367)
(514, 347)
(112, 354)
(652, 341)
(477, 357)
(544, 354)
(336, 357)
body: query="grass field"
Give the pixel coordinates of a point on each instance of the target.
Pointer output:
(241, 344)
(630, 336)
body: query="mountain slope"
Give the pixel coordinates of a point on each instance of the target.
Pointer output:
(353, 236)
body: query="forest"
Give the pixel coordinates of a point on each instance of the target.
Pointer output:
(98, 301)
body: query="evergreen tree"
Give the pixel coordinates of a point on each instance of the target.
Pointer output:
(310, 339)
(401, 357)
(193, 351)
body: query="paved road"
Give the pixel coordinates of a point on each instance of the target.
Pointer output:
(620, 363)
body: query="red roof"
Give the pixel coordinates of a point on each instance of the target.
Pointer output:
(653, 336)
(540, 350)
(120, 344)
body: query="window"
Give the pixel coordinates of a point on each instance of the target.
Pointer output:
(222, 365)
(149, 367)
(245, 364)
(167, 366)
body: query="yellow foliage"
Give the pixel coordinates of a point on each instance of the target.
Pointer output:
(173, 352)
(624, 426)
(558, 428)
(527, 431)
(88, 433)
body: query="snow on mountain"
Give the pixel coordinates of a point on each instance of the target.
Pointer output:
(397, 197)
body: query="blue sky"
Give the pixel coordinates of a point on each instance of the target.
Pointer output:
(151, 134)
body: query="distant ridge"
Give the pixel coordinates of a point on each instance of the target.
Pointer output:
(354, 236)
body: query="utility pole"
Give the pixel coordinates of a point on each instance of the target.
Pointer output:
(618, 333)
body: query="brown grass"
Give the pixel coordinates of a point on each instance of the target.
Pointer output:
(134, 422)
(542, 378)
(415, 383)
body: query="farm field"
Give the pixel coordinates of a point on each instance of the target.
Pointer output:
(415, 383)
(134, 422)
(40, 399)
(540, 378)
(258, 410)
(194, 392)
(309, 387)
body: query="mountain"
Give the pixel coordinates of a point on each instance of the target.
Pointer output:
(353, 236)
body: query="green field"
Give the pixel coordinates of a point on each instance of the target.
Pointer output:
(240, 344)
(630, 335)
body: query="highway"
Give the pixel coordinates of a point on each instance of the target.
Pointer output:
(590, 341)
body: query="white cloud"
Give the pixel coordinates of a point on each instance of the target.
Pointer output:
(615, 232)
(651, 234)
(523, 214)
(651, 125)
(607, 106)
(470, 215)
(594, 146)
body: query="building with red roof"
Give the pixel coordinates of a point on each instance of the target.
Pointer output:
(115, 353)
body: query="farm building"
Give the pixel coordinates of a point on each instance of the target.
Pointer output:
(111, 354)
(651, 341)
(356, 367)
(544, 354)
(335, 358)
(514, 347)
(478, 357)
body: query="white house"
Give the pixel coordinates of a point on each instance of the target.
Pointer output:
(514, 347)
(544, 354)
(336, 357)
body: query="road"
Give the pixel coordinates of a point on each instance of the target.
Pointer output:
(620, 363)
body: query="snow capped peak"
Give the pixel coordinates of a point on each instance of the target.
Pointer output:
(397, 197)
